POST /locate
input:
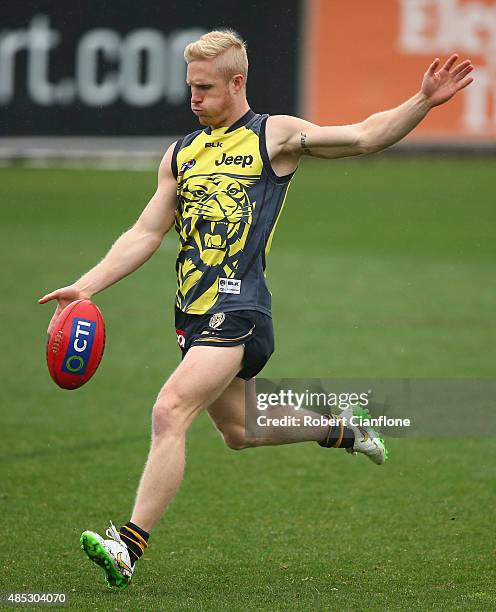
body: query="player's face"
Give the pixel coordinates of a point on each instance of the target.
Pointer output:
(211, 98)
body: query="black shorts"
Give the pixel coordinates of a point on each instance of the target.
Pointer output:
(249, 327)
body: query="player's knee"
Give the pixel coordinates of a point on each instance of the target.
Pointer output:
(236, 439)
(163, 416)
(235, 443)
(170, 413)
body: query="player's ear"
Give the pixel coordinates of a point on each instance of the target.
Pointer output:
(237, 82)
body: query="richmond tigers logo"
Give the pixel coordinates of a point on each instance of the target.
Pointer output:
(213, 220)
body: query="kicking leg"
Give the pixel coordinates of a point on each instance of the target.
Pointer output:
(235, 414)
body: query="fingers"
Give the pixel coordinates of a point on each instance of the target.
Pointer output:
(53, 320)
(463, 73)
(432, 68)
(459, 72)
(465, 82)
(449, 62)
(48, 297)
(461, 67)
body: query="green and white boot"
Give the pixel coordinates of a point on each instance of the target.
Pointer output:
(111, 554)
(367, 440)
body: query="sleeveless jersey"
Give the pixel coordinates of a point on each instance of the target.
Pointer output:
(228, 202)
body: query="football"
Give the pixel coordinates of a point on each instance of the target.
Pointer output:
(76, 344)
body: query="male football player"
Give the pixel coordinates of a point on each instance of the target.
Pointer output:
(223, 187)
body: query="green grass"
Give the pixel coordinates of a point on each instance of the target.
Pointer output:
(378, 269)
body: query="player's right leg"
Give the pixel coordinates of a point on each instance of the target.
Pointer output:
(198, 381)
(202, 376)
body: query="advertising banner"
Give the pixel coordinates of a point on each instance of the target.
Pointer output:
(117, 69)
(364, 57)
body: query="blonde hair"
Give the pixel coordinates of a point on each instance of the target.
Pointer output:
(226, 45)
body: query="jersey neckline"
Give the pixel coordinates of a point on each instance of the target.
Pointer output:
(242, 121)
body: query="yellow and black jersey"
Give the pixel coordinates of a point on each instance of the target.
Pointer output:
(229, 200)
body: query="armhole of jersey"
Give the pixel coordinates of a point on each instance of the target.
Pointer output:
(265, 157)
(174, 157)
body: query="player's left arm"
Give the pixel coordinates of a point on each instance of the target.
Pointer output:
(381, 130)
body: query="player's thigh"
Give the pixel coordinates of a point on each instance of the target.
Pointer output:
(231, 408)
(201, 377)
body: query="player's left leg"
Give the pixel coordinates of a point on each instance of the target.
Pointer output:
(235, 414)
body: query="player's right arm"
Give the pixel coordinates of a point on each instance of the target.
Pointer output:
(132, 249)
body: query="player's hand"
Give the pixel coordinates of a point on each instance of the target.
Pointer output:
(64, 296)
(441, 85)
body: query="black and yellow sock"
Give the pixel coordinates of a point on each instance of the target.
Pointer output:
(338, 436)
(136, 540)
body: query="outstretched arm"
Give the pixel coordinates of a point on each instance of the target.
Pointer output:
(298, 137)
(132, 249)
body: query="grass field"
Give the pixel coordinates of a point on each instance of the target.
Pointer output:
(381, 268)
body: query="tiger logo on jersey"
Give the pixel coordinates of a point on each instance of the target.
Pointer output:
(213, 220)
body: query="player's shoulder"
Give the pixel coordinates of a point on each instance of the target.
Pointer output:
(283, 118)
(282, 121)
(285, 124)
(168, 163)
(281, 128)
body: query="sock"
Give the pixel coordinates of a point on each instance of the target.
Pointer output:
(338, 436)
(136, 540)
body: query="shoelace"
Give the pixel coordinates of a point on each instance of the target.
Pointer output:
(112, 532)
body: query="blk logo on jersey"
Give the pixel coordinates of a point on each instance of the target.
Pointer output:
(213, 144)
(238, 160)
(230, 285)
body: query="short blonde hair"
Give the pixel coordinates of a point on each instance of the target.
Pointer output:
(225, 44)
